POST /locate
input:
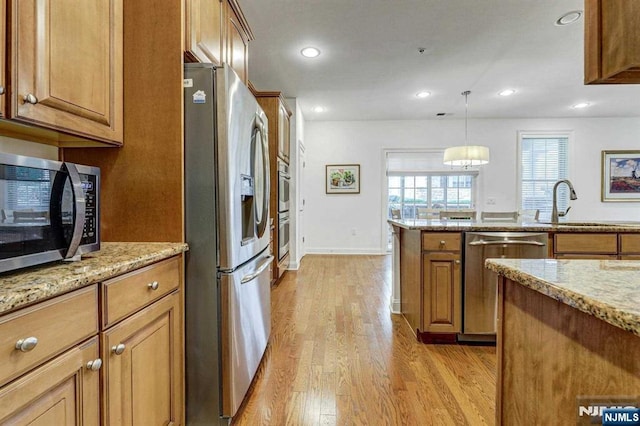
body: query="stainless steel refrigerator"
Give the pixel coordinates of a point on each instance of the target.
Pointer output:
(228, 317)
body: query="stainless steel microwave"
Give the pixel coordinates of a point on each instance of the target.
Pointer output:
(49, 211)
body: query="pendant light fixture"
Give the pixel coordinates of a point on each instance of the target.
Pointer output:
(466, 155)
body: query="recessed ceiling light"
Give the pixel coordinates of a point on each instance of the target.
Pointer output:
(581, 105)
(310, 52)
(319, 109)
(569, 18)
(507, 92)
(423, 94)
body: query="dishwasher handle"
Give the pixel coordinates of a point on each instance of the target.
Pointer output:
(507, 242)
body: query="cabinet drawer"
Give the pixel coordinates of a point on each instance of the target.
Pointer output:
(128, 293)
(438, 241)
(586, 243)
(57, 324)
(629, 243)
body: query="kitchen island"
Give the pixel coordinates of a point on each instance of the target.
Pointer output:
(431, 263)
(568, 338)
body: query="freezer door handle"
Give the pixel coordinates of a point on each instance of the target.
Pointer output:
(506, 242)
(260, 269)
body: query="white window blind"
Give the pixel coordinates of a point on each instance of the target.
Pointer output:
(543, 161)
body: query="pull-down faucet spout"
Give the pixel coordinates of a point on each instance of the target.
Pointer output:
(572, 195)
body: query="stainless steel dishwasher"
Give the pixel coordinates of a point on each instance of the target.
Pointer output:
(480, 285)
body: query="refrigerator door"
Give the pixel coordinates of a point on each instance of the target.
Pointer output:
(243, 172)
(245, 326)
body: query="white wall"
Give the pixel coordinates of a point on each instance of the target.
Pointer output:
(331, 220)
(296, 213)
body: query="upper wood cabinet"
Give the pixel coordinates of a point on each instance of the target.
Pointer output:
(612, 37)
(66, 65)
(217, 32)
(238, 36)
(203, 34)
(3, 52)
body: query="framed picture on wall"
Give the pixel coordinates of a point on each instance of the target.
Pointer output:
(343, 178)
(620, 175)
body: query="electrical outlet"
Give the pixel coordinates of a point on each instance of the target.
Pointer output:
(491, 201)
(353, 231)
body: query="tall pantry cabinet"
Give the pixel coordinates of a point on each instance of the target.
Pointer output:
(279, 116)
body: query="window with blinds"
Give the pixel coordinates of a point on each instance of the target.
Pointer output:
(544, 160)
(421, 180)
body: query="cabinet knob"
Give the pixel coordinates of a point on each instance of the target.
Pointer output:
(2, 90)
(118, 349)
(94, 365)
(443, 242)
(457, 262)
(30, 99)
(25, 345)
(153, 286)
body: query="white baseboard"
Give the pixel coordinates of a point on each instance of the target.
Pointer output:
(342, 250)
(394, 305)
(293, 266)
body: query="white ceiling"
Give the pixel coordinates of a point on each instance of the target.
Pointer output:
(370, 67)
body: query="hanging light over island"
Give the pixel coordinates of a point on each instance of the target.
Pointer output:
(466, 155)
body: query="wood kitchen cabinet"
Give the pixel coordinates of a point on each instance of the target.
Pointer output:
(278, 115)
(117, 359)
(217, 32)
(441, 287)
(430, 284)
(629, 246)
(612, 37)
(203, 31)
(3, 53)
(66, 66)
(142, 353)
(585, 246)
(143, 366)
(63, 391)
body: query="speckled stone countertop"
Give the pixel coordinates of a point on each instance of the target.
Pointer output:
(495, 226)
(606, 289)
(27, 286)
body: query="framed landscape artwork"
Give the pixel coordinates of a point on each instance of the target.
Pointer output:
(343, 178)
(620, 175)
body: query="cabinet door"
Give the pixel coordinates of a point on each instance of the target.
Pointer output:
(143, 367)
(441, 293)
(612, 35)
(3, 52)
(237, 45)
(203, 31)
(64, 391)
(67, 66)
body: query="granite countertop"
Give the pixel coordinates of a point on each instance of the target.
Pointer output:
(606, 289)
(495, 226)
(31, 285)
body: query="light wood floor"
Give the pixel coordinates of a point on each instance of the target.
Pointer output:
(337, 356)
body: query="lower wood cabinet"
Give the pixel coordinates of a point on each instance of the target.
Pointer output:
(63, 391)
(58, 367)
(143, 366)
(441, 303)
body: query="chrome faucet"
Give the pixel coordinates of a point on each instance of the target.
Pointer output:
(554, 213)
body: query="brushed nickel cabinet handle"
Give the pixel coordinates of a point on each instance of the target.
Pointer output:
(25, 345)
(2, 90)
(30, 99)
(94, 365)
(153, 286)
(118, 349)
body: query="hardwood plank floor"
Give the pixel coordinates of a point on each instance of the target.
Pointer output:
(337, 356)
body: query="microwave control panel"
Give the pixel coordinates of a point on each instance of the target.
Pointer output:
(89, 184)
